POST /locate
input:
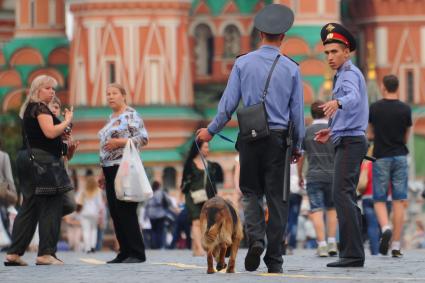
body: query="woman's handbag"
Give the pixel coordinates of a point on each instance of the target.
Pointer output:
(131, 181)
(48, 172)
(253, 124)
(49, 175)
(200, 196)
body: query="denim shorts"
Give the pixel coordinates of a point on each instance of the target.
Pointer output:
(386, 170)
(320, 196)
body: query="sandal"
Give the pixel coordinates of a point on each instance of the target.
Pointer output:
(47, 260)
(15, 262)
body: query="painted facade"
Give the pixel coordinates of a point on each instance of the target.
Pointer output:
(392, 34)
(39, 46)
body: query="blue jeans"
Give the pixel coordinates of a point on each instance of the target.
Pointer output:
(320, 196)
(294, 211)
(373, 230)
(386, 170)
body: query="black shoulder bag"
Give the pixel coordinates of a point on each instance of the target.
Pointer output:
(48, 173)
(252, 119)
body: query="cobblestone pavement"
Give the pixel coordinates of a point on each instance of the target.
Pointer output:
(179, 266)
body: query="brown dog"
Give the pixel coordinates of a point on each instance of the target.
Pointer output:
(221, 230)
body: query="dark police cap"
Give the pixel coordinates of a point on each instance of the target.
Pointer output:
(336, 33)
(274, 19)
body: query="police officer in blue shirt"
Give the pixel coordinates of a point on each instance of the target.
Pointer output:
(262, 161)
(348, 112)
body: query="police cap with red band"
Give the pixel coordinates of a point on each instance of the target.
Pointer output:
(336, 33)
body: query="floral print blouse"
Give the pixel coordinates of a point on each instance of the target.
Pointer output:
(129, 124)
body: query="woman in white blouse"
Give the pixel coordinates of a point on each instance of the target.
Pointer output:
(123, 124)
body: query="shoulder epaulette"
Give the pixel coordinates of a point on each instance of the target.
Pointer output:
(347, 68)
(291, 59)
(240, 55)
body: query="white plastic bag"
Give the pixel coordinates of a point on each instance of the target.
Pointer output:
(131, 182)
(4, 237)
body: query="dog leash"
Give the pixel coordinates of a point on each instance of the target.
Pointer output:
(204, 162)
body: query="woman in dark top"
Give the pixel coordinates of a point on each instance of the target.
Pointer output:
(195, 180)
(44, 131)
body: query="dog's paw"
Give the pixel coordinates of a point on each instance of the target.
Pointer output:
(210, 271)
(230, 270)
(221, 266)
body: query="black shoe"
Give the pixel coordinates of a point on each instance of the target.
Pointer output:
(396, 253)
(275, 269)
(131, 259)
(347, 262)
(252, 259)
(119, 259)
(385, 242)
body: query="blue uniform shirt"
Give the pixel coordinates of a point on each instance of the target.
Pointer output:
(350, 90)
(284, 100)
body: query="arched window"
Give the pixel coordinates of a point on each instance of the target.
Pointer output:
(255, 39)
(32, 13)
(204, 49)
(232, 41)
(169, 178)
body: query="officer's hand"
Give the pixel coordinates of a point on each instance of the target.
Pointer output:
(329, 108)
(203, 135)
(323, 136)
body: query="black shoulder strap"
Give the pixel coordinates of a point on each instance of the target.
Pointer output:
(26, 141)
(291, 59)
(240, 55)
(270, 76)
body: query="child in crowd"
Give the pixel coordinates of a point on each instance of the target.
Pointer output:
(91, 207)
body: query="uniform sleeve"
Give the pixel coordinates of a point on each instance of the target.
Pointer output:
(137, 130)
(228, 102)
(350, 87)
(296, 105)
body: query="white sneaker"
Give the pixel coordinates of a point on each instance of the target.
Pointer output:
(332, 249)
(322, 251)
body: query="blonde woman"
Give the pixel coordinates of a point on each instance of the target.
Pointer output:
(124, 123)
(44, 131)
(90, 206)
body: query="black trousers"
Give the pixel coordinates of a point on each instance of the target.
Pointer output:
(46, 211)
(262, 167)
(124, 217)
(349, 154)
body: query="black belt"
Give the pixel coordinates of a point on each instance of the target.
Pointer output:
(279, 131)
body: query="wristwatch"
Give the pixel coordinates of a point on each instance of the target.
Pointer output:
(339, 104)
